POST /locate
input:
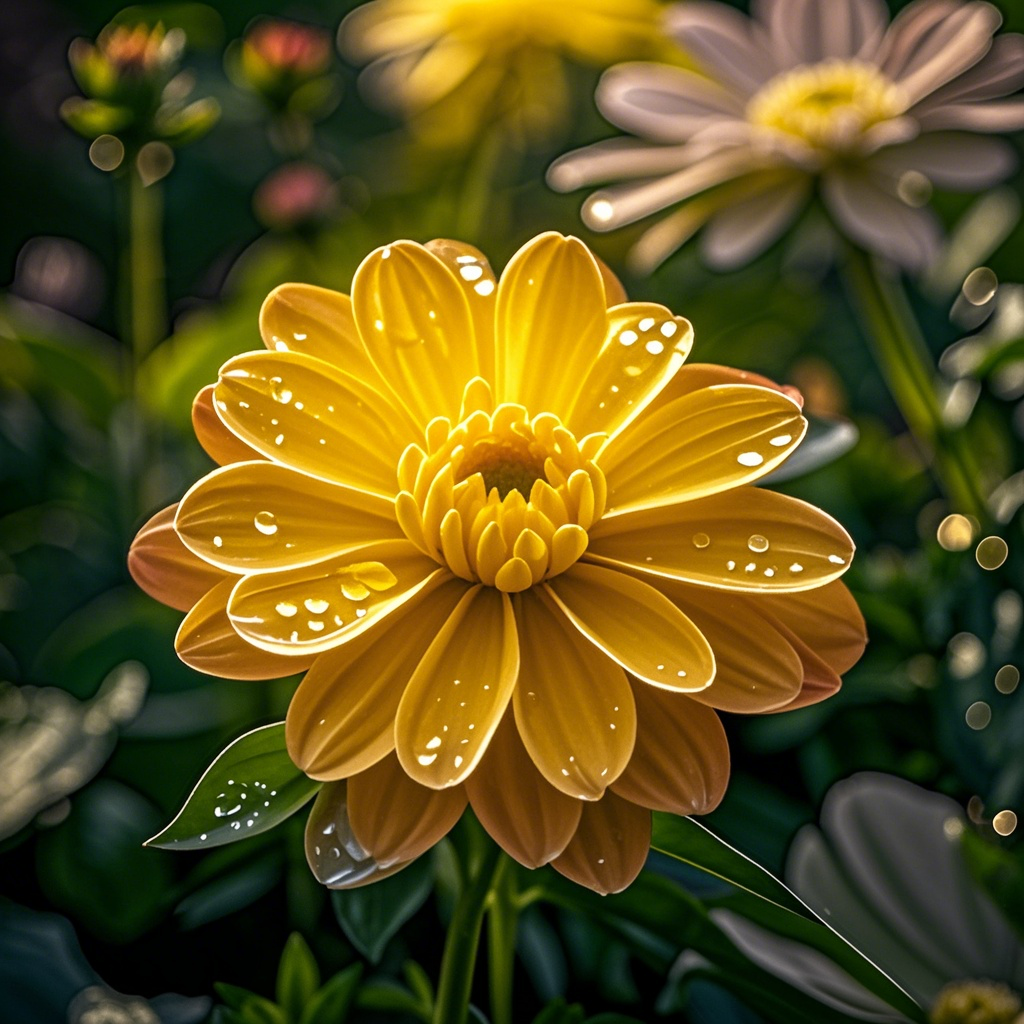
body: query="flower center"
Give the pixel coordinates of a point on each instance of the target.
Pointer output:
(500, 498)
(975, 1002)
(829, 105)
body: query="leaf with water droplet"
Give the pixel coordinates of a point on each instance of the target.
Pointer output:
(251, 786)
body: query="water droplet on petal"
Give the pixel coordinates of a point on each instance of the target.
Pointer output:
(266, 523)
(750, 459)
(286, 608)
(701, 540)
(316, 605)
(757, 542)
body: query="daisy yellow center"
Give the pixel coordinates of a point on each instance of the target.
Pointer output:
(976, 1002)
(501, 498)
(828, 105)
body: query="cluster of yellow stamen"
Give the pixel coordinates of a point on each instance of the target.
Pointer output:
(501, 498)
(976, 1002)
(829, 105)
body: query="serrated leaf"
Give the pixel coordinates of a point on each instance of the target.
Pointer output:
(251, 786)
(298, 977)
(332, 1003)
(371, 915)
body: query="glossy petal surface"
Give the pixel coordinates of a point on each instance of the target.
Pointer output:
(217, 441)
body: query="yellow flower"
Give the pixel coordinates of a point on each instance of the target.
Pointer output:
(517, 545)
(454, 66)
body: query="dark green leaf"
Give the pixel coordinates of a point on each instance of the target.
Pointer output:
(560, 1012)
(201, 23)
(372, 914)
(1000, 873)
(419, 982)
(332, 1003)
(298, 977)
(232, 995)
(389, 996)
(251, 786)
(612, 1018)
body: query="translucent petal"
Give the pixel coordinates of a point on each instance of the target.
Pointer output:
(459, 691)
(342, 717)
(820, 680)
(643, 348)
(316, 607)
(313, 417)
(610, 845)
(680, 763)
(259, 516)
(573, 705)
(207, 642)
(704, 442)
(217, 441)
(528, 818)
(395, 819)
(742, 539)
(694, 376)
(550, 323)
(635, 625)
(165, 568)
(415, 323)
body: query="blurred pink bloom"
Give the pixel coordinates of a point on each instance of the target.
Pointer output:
(288, 47)
(294, 194)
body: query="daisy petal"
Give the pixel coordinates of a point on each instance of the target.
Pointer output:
(342, 717)
(313, 417)
(573, 705)
(997, 116)
(459, 691)
(617, 159)
(528, 818)
(953, 160)
(551, 299)
(610, 846)
(393, 818)
(680, 763)
(705, 442)
(999, 73)
(636, 626)
(207, 642)
(743, 539)
(216, 440)
(415, 323)
(316, 607)
(644, 346)
(804, 33)
(165, 569)
(258, 516)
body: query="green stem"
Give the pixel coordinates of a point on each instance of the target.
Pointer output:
(480, 203)
(460, 948)
(906, 364)
(502, 920)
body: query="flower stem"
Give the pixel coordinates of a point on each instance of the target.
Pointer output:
(906, 364)
(502, 920)
(460, 949)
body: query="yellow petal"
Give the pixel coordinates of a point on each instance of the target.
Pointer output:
(614, 293)
(217, 441)
(705, 442)
(550, 323)
(164, 568)
(680, 763)
(258, 516)
(342, 717)
(316, 607)
(477, 280)
(610, 845)
(414, 320)
(318, 322)
(694, 376)
(573, 706)
(333, 852)
(459, 691)
(207, 642)
(743, 539)
(757, 668)
(820, 680)
(395, 819)
(528, 818)
(644, 347)
(635, 625)
(313, 417)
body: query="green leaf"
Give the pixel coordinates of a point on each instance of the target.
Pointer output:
(233, 995)
(560, 1012)
(298, 977)
(251, 786)
(419, 981)
(332, 1003)
(92, 118)
(180, 127)
(372, 914)
(390, 997)
(612, 1018)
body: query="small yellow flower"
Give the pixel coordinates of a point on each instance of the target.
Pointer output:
(517, 545)
(455, 66)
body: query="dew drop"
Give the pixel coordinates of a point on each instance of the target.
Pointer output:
(796, 567)
(426, 759)
(316, 605)
(279, 392)
(757, 542)
(781, 441)
(646, 324)
(628, 338)
(286, 608)
(279, 439)
(730, 565)
(266, 523)
(701, 540)
(218, 542)
(837, 560)
(750, 459)
(484, 287)
(655, 347)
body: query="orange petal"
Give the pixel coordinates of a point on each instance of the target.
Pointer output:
(635, 625)
(614, 292)
(610, 845)
(164, 568)
(459, 691)
(680, 762)
(744, 539)
(342, 717)
(258, 516)
(207, 642)
(573, 705)
(395, 819)
(820, 679)
(217, 441)
(528, 818)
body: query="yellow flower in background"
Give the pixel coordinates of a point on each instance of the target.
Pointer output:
(453, 67)
(518, 547)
